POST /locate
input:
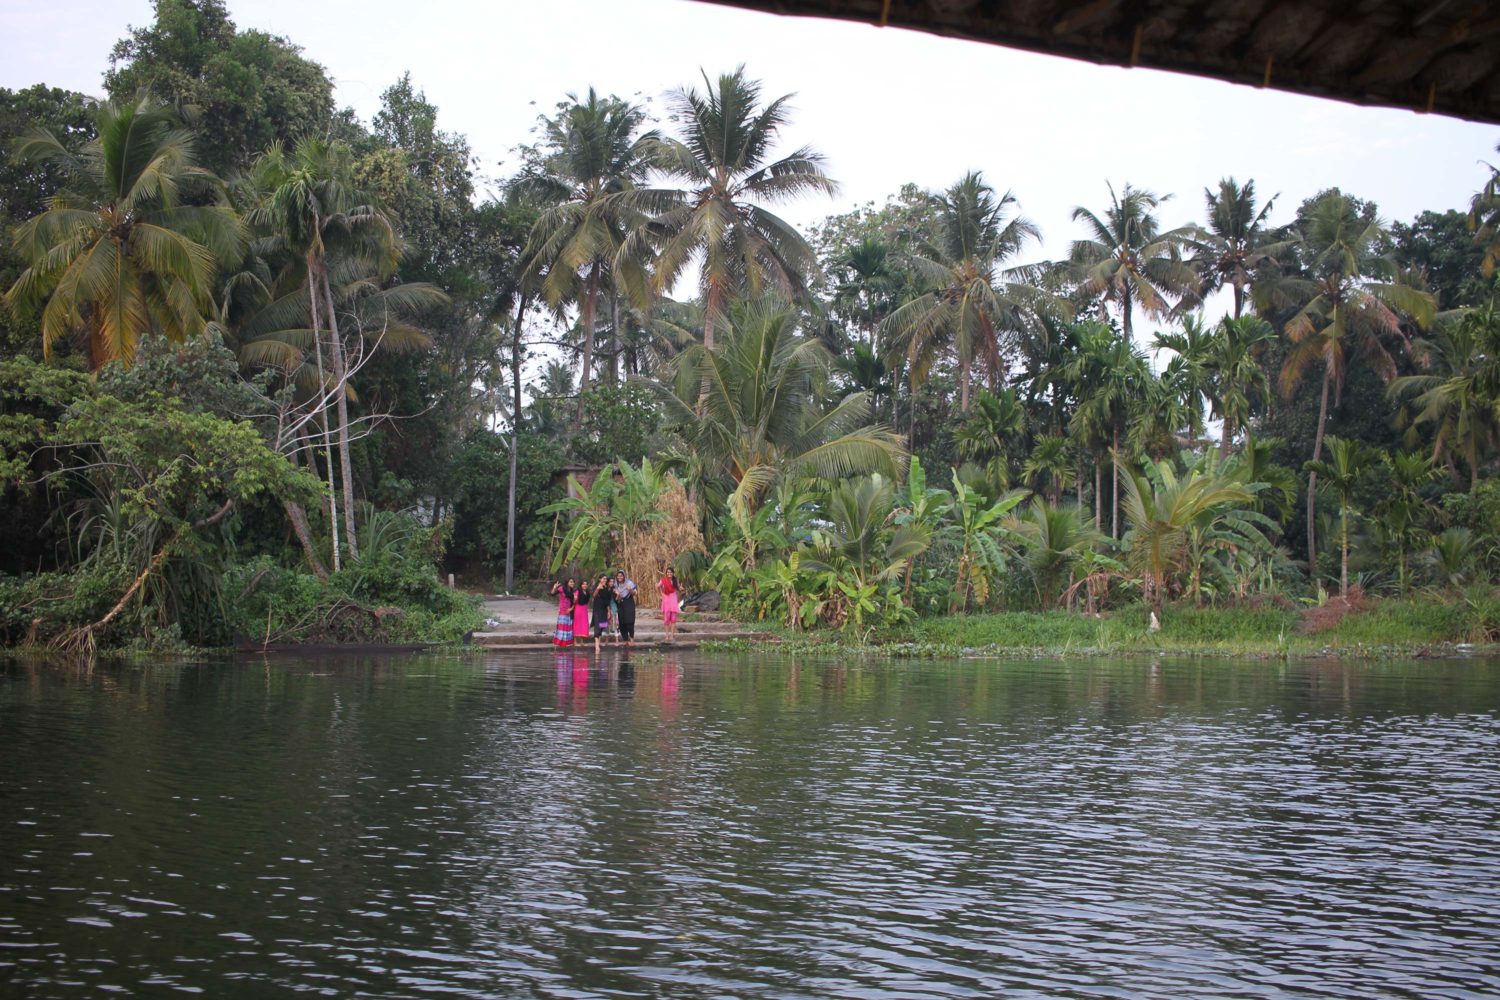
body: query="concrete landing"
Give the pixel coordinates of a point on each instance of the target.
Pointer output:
(524, 623)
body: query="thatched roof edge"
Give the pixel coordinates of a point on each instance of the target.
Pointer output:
(1440, 56)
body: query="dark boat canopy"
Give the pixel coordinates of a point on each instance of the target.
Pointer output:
(1440, 56)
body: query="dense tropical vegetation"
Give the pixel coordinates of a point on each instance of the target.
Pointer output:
(269, 371)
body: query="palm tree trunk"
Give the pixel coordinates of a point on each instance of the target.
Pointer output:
(1125, 314)
(911, 415)
(333, 493)
(963, 384)
(1225, 438)
(340, 377)
(515, 450)
(1312, 480)
(1098, 495)
(1239, 299)
(586, 320)
(1114, 499)
(614, 335)
(1344, 563)
(712, 303)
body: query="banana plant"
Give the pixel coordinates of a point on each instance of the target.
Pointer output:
(982, 539)
(620, 501)
(919, 505)
(789, 586)
(858, 604)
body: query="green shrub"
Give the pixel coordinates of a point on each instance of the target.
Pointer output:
(1470, 616)
(398, 601)
(1218, 625)
(1011, 630)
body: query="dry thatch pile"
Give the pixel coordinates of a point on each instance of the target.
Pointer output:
(646, 554)
(1427, 55)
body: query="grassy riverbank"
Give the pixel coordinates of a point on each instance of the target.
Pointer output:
(1429, 625)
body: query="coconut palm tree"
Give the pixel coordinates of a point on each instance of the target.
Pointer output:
(1347, 463)
(1235, 245)
(1128, 260)
(1484, 219)
(1056, 540)
(860, 537)
(1160, 424)
(1108, 374)
(1347, 300)
(719, 220)
(1163, 508)
(1238, 378)
(863, 370)
(546, 415)
(1452, 556)
(1400, 511)
(128, 247)
(752, 408)
(311, 208)
(974, 302)
(1049, 469)
(993, 430)
(1459, 394)
(866, 285)
(650, 337)
(1189, 375)
(1252, 464)
(597, 148)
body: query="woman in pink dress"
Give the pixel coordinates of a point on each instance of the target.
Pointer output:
(581, 614)
(562, 635)
(669, 604)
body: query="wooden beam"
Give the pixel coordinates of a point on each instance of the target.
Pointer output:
(1082, 17)
(1430, 13)
(1402, 64)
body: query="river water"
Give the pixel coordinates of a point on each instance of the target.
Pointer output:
(745, 826)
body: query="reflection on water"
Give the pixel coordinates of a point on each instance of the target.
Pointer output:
(576, 826)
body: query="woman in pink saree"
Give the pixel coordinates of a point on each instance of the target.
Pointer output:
(562, 635)
(581, 614)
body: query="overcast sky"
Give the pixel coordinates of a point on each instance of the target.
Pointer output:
(885, 105)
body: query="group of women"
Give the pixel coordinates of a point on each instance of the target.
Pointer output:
(609, 605)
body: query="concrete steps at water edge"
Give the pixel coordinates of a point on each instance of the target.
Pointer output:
(526, 623)
(648, 633)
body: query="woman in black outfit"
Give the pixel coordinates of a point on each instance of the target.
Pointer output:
(599, 606)
(625, 603)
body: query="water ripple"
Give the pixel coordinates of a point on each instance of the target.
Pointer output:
(702, 827)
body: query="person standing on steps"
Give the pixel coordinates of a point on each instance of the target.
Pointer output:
(604, 596)
(581, 613)
(669, 603)
(563, 634)
(625, 600)
(614, 608)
